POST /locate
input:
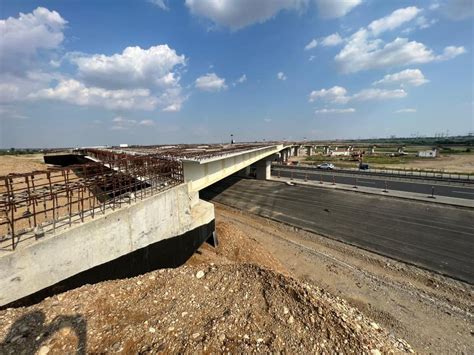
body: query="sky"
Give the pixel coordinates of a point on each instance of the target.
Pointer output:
(84, 73)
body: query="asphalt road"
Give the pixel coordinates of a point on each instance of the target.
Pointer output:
(439, 238)
(378, 182)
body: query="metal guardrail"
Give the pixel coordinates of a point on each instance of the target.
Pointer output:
(411, 174)
(31, 202)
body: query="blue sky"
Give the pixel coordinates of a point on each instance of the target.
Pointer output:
(76, 73)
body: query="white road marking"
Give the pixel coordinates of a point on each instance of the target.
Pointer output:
(463, 192)
(367, 182)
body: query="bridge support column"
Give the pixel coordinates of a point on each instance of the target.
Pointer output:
(245, 172)
(264, 167)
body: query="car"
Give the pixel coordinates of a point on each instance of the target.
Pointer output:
(363, 166)
(326, 166)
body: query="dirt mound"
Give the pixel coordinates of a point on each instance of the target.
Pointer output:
(235, 247)
(233, 307)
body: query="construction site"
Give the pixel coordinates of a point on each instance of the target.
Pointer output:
(229, 247)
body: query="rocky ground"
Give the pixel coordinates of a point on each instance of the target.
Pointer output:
(219, 301)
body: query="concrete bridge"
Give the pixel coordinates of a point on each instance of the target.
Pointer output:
(151, 218)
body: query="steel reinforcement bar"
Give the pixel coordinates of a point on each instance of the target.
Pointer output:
(32, 202)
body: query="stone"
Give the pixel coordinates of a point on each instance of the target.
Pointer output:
(291, 320)
(195, 335)
(285, 310)
(200, 274)
(152, 330)
(44, 350)
(374, 325)
(375, 352)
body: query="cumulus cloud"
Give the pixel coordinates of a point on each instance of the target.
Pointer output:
(332, 40)
(210, 82)
(394, 20)
(333, 9)
(413, 77)
(338, 95)
(406, 110)
(312, 44)
(242, 79)
(237, 14)
(334, 110)
(134, 67)
(363, 53)
(75, 92)
(378, 94)
(281, 76)
(22, 38)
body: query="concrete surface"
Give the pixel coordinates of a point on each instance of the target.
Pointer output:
(436, 237)
(202, 173)
(53, 258)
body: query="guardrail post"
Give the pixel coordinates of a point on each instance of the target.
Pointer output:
(306, 177)
(320, 178)
(386, 187)
(355, 183)
(291, 178)
(279, 174)
(432, 192)
(334, 180)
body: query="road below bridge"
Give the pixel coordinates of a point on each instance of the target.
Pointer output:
(439, 238)
(366, 180)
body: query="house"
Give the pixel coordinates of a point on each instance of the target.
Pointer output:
(433, 153)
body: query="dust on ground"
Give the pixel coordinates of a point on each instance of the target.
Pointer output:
(432, 312)
(459, 163)
(19, 164)
(217, 302)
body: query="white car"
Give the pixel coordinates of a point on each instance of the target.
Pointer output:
(326, 166)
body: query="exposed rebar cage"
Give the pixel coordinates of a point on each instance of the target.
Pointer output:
(34, 202)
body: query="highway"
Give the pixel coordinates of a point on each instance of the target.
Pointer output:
(366, 180)
(439, 238)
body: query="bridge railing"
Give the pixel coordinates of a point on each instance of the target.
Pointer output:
(40, 201)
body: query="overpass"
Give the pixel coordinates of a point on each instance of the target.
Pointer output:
(118, 213)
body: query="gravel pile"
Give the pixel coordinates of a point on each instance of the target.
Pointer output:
(231, 307)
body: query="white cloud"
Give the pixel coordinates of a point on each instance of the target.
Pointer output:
(332, 40)
(210, 82)
(363, 53)
(412, 77)
(336, 8)
(334, 110)
(458, 9)
(134, 67)
(240, 80)
(311, 58)
(336, 95)
(406, 110)
(237, 14)
(160, 3)
(147, 123)
(281, 76)
(394, 20)
(75, 92)
(378, 94)
(451, 52)
(312, 44)
(24, 37)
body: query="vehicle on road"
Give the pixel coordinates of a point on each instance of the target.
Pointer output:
(326, 166)
(363, 166)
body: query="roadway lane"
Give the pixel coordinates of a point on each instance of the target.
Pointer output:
(439, 238)
(378, 182)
